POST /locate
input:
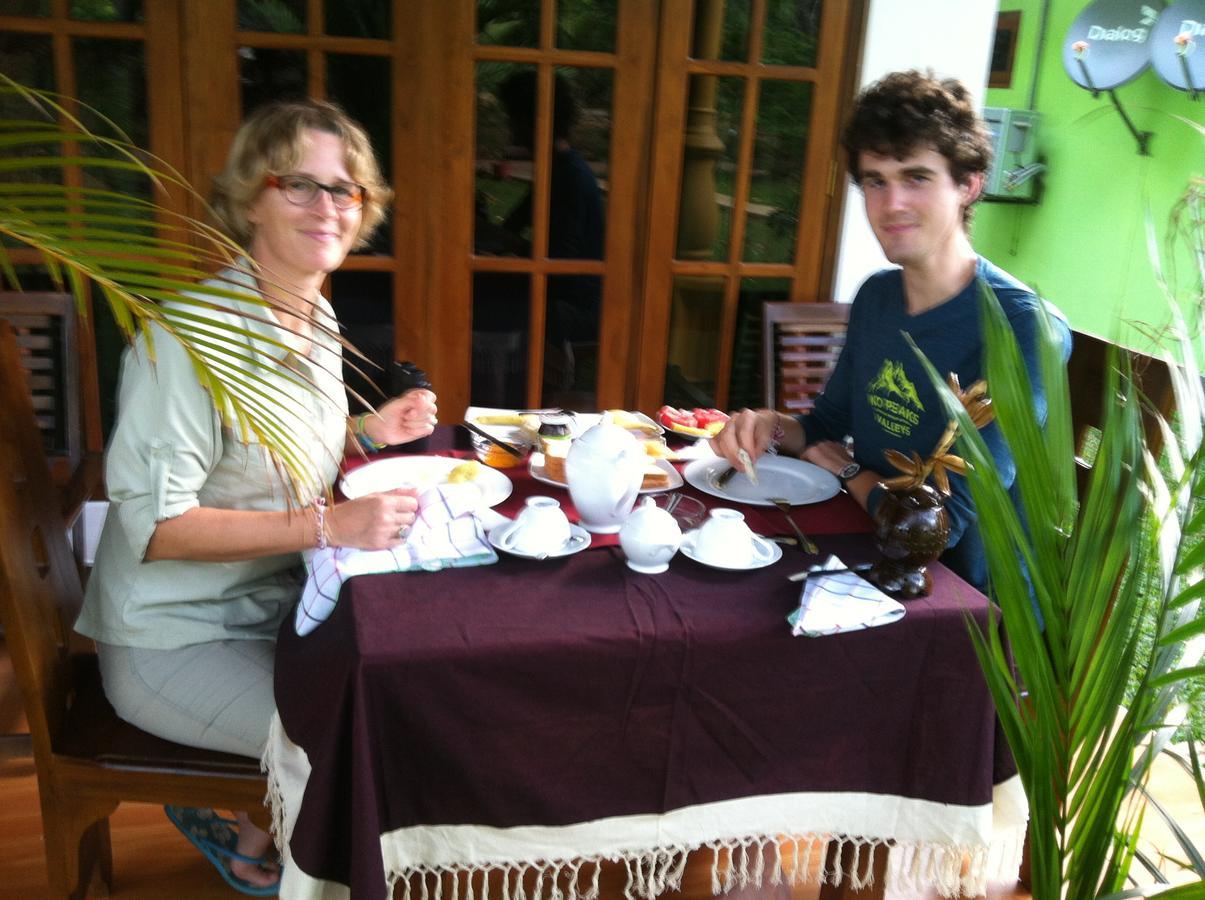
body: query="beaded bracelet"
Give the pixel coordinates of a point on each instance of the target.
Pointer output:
(776, 438)
(362, 436)
(320, 516)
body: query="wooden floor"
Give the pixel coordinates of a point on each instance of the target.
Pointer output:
(152, 860)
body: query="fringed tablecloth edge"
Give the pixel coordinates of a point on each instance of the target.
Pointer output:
(737, 863)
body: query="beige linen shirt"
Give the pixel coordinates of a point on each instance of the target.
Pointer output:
(170, 451)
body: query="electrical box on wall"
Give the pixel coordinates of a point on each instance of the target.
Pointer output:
(1015, 166)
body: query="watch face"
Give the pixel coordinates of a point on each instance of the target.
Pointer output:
(849, 471)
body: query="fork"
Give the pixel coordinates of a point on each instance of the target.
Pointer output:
(785, 508)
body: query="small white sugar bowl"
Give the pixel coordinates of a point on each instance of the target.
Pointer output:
(649, 537)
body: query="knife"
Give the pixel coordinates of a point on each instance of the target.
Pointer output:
(509, 448)
(860, 569)
(721, 480)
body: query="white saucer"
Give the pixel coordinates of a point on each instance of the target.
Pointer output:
(688, 550)
(579, 540)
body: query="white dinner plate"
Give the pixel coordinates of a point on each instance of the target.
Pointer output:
(419, 472)
(688, 550)
(535, 465)
(797, 481)
(579, 540)
(578, 423)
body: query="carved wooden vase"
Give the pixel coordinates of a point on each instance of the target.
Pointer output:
(911, 528)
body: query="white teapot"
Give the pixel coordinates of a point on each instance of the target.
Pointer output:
(650, 538)
(604, 470)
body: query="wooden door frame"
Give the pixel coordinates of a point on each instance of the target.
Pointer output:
(834, 78)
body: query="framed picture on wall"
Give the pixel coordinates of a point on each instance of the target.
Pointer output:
(1004, 49)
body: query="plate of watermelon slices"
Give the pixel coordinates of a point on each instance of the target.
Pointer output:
(692, 424)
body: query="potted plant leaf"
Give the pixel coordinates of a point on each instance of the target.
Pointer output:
(1059, 681)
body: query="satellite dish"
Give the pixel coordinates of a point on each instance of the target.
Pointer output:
(1177, 45)
(1106, 45)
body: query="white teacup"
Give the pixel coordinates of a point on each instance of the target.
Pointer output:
(541, 528)
(725, 540)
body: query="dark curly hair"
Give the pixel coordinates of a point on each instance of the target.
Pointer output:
(908, 111)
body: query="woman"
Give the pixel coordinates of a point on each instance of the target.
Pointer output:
(198, 562)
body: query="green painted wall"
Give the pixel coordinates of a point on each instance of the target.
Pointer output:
(1084, 245)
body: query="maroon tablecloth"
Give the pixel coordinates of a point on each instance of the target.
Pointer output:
(569, 691)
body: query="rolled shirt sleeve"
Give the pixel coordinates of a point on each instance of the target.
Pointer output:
(167, 440)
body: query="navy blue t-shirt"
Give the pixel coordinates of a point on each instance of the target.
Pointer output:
(880, 396)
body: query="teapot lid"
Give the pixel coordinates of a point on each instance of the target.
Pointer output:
(648, 514)
(608, 439)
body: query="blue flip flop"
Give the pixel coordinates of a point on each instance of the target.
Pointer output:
(216, 837)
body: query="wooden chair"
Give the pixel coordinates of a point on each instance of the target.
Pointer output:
(1086, 370)
(800, 343)
(58, 357)
(800, 346)
(87, 759)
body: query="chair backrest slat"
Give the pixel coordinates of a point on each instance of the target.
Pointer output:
(48, 335)
(800, 346)
(40, 592)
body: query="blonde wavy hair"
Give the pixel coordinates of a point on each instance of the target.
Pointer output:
(271, 142)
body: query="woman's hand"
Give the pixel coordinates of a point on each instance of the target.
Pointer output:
(374, 521)
(749, 430)
(403, 419)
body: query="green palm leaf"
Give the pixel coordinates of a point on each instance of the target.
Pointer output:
(1078, 759)
(137, 253)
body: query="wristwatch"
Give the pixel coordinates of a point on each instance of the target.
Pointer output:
(848, 472)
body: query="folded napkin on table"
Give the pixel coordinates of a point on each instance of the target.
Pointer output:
(831, 604)
(449, 530)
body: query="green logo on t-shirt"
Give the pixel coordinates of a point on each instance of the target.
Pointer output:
(894, 399)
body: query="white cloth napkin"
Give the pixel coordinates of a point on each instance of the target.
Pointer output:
(831, 604)
(700, 449)
(448, 531)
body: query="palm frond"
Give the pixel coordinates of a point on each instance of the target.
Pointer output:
(1062, 570)
(137, 254)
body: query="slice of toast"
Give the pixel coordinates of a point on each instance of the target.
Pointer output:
(655, 478)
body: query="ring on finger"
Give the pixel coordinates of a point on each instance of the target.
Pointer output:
(403, 532)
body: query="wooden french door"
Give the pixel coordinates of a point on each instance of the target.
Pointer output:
(620, 261)
(745, 190)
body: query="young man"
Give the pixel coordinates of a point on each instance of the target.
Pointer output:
(919, 152)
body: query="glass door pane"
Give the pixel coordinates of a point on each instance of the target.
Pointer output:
(279, 16)
(268, 74)
(779, 152)
(513, 23)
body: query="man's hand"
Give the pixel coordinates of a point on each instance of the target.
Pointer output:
(748, 430)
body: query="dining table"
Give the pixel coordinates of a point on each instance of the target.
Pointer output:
(510, 729)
